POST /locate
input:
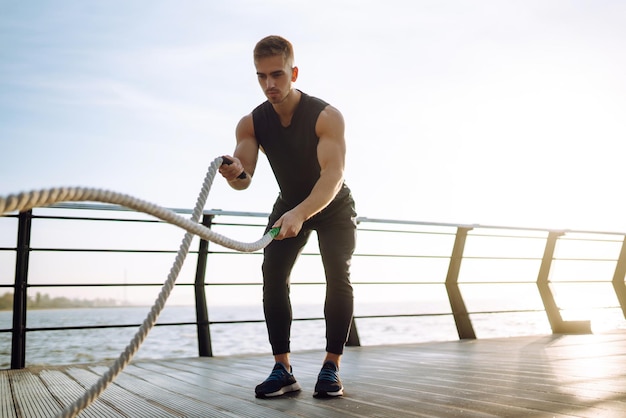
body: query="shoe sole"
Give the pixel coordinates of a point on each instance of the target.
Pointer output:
(294, 387)
(321, 394)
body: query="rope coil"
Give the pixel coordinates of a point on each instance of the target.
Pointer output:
(46, 197)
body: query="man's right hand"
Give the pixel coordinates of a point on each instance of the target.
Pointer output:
(232, 169)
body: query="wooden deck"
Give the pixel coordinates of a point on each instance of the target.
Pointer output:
(543, 376)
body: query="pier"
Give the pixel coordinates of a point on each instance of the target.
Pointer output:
(575, 369)
(540, 376)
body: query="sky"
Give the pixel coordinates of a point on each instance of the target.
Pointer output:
(496, 112)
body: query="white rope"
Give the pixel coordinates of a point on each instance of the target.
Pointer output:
(46, 197)
(25, 201)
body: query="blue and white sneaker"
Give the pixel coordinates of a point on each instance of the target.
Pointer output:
(279, 382)
(328, 382)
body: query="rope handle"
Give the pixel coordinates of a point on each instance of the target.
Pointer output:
(228, 161)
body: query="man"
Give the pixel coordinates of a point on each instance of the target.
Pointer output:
(303, 139)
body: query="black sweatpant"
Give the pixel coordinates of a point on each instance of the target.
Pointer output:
(336, 231)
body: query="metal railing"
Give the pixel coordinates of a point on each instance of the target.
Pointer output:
(468, 262)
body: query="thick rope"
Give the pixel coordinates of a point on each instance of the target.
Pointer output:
(25, 201)
(46, 197)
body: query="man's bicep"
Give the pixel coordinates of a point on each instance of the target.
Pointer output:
(331, 153)
(331, 150)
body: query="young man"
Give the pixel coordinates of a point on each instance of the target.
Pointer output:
(303, 139)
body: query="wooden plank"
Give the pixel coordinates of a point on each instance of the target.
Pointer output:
(32, 397)
(170, 393)
(67, 391)
(504, 390)
(420, 379)
(251, 371)
(356, 402)
(221, 391)
(496, 389)
(6, 397)
(553, 376)
(126, 403)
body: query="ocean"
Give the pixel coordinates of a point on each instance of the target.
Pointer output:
(81, 346)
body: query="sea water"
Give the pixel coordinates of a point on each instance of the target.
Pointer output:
(165, 341)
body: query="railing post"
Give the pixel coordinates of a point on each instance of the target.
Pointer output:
(618, 278)
(20, 296)
(202, 313)
(543, 284)
(457, 304)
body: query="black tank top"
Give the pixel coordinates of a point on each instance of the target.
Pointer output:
(291, 151)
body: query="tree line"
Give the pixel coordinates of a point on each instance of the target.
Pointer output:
(44, 301)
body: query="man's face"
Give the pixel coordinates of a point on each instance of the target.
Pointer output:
(275, 77)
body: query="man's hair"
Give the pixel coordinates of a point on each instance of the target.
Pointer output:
(273, 45)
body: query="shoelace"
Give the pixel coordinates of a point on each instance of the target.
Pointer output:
(328, 374)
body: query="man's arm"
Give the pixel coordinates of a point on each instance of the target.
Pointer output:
(244, 158)
(331, 153)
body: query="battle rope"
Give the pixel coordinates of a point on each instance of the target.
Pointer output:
(29, 200)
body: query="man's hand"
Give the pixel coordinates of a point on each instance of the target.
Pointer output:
(232, 169)
(290, 224)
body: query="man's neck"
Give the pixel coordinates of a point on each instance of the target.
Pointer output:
(287, 107)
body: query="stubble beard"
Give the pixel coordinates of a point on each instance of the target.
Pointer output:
(277, 99)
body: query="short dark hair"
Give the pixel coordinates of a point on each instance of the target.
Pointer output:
(273, 45)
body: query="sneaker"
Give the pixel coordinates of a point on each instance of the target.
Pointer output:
(279, 382)
(328, 383)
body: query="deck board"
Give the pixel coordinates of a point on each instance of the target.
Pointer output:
(6, 398)
(68, 390)
(540, 376)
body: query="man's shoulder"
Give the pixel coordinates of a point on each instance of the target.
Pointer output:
(316, 101)
(262, 107)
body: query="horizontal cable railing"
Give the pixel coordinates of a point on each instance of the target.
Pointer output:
(456, 277)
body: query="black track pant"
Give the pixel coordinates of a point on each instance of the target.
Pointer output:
(336, 231)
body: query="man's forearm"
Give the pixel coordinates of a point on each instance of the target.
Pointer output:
(324, 191)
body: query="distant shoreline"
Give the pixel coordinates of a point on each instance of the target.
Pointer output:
(43, 308)
(44, 301)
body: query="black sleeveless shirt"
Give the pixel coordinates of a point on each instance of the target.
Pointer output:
(292, 150)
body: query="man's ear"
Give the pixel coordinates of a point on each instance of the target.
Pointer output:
(294, 74)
